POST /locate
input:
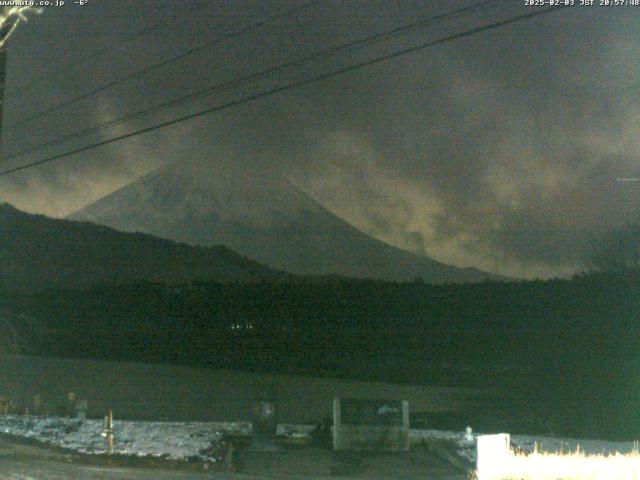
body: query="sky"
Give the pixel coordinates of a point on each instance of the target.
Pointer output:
(512, 150)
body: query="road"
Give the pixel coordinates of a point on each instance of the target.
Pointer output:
(29, 462)
(35, 469)
(19, 461)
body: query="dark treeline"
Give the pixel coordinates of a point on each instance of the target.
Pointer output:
(564, 345)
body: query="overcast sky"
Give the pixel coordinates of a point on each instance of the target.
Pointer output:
(510, 150)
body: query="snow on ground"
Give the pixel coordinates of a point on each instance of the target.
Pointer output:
(184, 440)
(464, 447)
(174, 440)
(525, 443)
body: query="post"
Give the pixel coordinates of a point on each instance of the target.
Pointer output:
(81, 409)
(336, 436)
(228, 457)
(3, 66)
(108, 431)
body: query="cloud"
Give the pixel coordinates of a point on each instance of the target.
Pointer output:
(501, 151)
(60, 188)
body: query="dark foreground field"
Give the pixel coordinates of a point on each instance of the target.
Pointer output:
(558, 357)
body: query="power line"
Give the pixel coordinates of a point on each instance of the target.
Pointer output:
(358, 43)
(288, 86)
(161, 64)
(96, 54)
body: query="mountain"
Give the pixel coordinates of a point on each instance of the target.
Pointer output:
(37, 251)
(262, 216)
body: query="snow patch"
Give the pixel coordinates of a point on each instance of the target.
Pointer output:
(525, 443)
(172, 440)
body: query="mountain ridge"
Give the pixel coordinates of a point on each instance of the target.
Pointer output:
(38, 251)
(262, 216)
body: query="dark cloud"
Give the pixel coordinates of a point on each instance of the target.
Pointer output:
(503, 150)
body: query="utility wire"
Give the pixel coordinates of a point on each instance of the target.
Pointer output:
(327, 53)
(288, 86)
(161, 64)
(96, 54)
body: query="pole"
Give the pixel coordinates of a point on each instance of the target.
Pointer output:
(3, 65)
(108, 430)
